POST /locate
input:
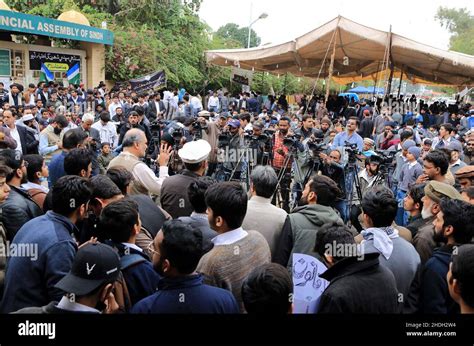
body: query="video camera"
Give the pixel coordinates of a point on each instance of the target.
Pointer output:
(223, 140)
(386, 157)
(352, 151)
(292, 142)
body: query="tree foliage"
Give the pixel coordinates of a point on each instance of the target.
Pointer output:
(232, 31)
(460, 23)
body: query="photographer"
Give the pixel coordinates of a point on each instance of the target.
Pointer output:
(211, 133)
(259, 144)
(233, 155)
(333, 168)
(280, 152)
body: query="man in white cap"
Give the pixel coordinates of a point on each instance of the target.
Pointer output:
(174, 191)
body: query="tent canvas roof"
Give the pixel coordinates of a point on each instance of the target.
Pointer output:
(360, 55)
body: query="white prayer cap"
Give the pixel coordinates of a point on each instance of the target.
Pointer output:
(195, 152)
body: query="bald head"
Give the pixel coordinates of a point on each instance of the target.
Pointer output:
(135, 142)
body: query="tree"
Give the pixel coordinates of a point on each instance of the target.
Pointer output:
(234, 32)
(460, 23)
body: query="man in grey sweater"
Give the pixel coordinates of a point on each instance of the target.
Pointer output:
(236, 252)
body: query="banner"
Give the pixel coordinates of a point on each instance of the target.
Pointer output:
(53, 61)
(152, 81)
(240, 76)
(36, 25)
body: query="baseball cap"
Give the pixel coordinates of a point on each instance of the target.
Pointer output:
(94, 265)
(234, 123)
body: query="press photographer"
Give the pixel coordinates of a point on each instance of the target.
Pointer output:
(212, 130)
(231, 143)
(281, 162)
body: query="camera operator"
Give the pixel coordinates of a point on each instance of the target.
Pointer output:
(259, 143)
(333, 168)
(212, 130)
(233, 155)
(280, 152)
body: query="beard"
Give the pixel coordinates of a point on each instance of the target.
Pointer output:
(24, 179)
(439, 236)
(303, 201)
(426, 213)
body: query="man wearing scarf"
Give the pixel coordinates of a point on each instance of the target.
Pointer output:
(379, 208)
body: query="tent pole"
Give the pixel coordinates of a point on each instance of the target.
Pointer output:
(400, 84)
(331, 69)
(376, 79)
(389, 87)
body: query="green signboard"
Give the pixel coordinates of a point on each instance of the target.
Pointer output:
(5, 62)
(26, 23)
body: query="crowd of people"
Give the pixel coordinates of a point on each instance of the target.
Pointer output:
(113, 201)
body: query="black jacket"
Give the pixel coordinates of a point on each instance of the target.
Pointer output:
(359, 286)
(127, 127)
(151, 216)
(174, 194)
(434, 292)
(152, 111)
(18, 209)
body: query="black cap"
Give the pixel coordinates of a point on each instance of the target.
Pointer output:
(93, 266)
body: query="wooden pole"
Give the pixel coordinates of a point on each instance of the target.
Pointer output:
(331, 69)
(400, 84)
(389, 87)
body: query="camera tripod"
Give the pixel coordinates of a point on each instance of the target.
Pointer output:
(351, 177)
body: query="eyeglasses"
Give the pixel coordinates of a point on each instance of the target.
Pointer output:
(151, 248)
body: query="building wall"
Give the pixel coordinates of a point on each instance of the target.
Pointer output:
(95, 63)
(22, 74)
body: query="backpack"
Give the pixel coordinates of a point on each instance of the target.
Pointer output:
(122, 296)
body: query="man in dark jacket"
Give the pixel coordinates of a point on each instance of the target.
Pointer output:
(198, 218)
(177, 250)
(19, 133)
(300, 228)
(88, 286)
(19, 208)
(156, 108)
(121, 224)
(133, 120)
(174, 191)
(357, 282)
(30, 279)
(367, 125)
(454, 225)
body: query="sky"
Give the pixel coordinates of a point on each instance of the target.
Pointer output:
(414, 19)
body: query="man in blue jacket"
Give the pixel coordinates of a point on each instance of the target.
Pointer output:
(454, 225)
(177, 250)
(49, 247)
(120, 222)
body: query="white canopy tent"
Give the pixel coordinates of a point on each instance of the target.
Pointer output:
(360, 53)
